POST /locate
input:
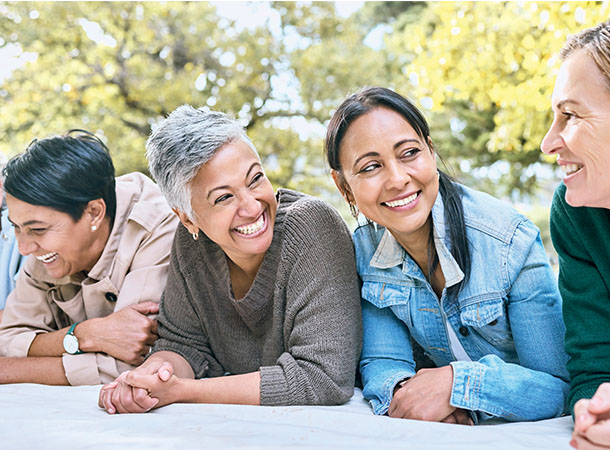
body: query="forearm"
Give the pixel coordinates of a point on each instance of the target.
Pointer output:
(43, 370)
(241, 389)
(88, 333)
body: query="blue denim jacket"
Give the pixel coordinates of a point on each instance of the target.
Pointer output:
(507, 316)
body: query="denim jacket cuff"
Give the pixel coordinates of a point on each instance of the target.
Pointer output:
(381, 406)
(467, 382)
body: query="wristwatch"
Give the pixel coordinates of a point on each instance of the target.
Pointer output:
(71, 341)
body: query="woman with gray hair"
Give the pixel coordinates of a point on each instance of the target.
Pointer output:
(262, 303)
(580, 226)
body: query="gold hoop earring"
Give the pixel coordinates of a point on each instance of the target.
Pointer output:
(195, 235)
(353, 209)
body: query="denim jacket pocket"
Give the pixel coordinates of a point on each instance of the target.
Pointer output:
(489, 320)
(384, 295)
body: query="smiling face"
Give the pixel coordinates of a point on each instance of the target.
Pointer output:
(63, 246)
(580, 133)
(234, 203)
(390, 173)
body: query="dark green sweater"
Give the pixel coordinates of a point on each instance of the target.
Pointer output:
(581, 237)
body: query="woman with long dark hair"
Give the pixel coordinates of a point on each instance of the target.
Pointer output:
(446, 269)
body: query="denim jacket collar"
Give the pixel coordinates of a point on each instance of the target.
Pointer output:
(389, 252)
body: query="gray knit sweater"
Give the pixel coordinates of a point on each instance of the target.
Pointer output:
(299, 323)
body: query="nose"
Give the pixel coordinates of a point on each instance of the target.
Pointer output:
(249, 206)
(398, 176)
(552, 142)
(26, 244)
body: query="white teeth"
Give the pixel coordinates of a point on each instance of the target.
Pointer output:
(47, 257)
(402, 202)
(253, 227)
(569, 169)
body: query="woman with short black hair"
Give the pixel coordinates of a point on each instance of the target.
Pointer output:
(80, 313)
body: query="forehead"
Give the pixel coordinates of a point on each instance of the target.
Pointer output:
(580, 79)
(20, 212)
(380, 121)
(229, 165)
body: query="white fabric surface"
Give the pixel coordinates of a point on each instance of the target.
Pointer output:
(48, 417)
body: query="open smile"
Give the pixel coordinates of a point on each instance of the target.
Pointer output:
(255, 228)
(570, 169)
(48, 258)
(402, 201)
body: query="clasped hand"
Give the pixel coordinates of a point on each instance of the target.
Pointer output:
(592, 421)
(140, 390)
(427, 396)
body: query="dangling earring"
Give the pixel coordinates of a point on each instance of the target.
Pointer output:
(195, 235)
(353, 209)
(93, 227)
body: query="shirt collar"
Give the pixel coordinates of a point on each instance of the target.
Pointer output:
(389, 252)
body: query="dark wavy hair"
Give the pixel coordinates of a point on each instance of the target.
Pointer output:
(64, 173)
(368, 99)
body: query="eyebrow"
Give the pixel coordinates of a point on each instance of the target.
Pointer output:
(567, 100)
(28, 223)
(227, 186)
(395, 146)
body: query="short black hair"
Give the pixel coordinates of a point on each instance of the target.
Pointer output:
(64, 173)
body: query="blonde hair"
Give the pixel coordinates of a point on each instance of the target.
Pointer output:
(596, 42)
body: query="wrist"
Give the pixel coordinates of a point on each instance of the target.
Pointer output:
(180, 392)
(88, 336)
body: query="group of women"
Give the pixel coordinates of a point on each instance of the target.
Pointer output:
(443, 294)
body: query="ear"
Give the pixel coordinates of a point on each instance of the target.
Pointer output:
(186, 221)
(95, 211)
(431, 147)
(342, 186)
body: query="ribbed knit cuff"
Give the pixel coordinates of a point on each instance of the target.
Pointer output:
(274, 387)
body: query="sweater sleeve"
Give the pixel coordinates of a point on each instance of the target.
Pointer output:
(576, 232)
(322, 327)
(180, 330)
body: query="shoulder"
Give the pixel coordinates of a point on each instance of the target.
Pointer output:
(140, 201)
(307, 215)
(492, 218)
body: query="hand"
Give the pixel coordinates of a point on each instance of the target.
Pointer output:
(459, 417)
(127, 334)
(160, 386)
(425, 396)
(592, 424)
(120, 396)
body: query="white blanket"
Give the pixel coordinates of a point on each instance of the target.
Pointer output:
(48, 417)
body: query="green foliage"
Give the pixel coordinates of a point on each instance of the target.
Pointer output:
(489, 69)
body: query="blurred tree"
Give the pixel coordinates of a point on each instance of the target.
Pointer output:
(486, 70)
(117, 68)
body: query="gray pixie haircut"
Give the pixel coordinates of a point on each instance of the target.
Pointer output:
(179, 145)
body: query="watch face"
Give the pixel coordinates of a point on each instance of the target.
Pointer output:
(70, 343)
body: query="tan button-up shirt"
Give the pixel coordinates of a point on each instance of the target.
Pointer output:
(131, 269)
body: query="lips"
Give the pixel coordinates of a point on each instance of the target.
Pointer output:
(252, 228)
(402, 202)
(48, 258)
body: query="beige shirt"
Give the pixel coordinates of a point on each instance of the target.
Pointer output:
(131, 269)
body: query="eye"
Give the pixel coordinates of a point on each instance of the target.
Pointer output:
(410, 152)
(568, 115)
(256, 178)
(37, 230)
(222, 198)
(369, 167)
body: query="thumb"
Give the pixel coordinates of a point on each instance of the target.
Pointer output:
(166, 371)
(146, 307)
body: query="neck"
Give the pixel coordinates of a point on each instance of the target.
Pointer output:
(243, 273)
(99, 241)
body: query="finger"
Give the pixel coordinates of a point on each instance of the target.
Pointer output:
(146, 308)
(599, 433)
(600, 402)
(103, 390)
(583, 419)
(154, 328)
(144, 401)
(142, 380)
(582, 443)
(462, 417)
(449, 419)
(151, 339)
(166, 371)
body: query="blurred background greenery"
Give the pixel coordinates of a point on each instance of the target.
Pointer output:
(482, 72)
